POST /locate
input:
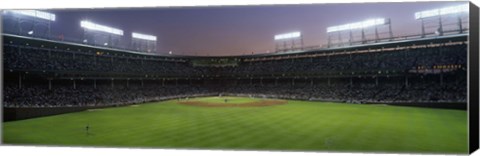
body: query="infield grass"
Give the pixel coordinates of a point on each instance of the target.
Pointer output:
(230, 100)
(298, 125)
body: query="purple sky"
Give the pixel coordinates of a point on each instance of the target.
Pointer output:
(236, 30)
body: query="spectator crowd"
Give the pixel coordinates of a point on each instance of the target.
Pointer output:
(436, 74)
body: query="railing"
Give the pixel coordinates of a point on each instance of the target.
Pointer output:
(298, 49)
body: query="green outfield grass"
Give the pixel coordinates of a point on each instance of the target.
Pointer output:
(298, 125)
(231, 100)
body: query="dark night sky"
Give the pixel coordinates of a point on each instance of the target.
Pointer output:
(235, 30)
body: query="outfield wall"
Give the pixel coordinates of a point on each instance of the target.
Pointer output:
(12, 114)
(444, 105)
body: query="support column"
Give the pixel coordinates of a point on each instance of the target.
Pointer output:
(423, 28)
(440, 28)
(441, 79)
(301, 42)
(363, 36)
(74, 84)
(460, 24)
(293, 45)
(328, 80)
(390, 28)
(20, 80)
(109, 40)
(350, 40)
(329, 41)
(94, 83)
(112, 85)
(49, 84)
(339, 37)
(376, 80)
(406, 81)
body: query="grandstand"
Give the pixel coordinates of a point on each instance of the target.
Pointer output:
(425, 70)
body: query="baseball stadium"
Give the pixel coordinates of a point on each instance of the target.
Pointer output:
(367, 89)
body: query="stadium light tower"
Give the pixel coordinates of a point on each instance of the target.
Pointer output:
(359, 26)
(35, 18)
(143, 40)
(289, 41)
(110, 32)
(423, 15)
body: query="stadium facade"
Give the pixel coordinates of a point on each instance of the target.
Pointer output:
(39, 73)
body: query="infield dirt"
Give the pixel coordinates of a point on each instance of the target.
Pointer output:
(246, 104)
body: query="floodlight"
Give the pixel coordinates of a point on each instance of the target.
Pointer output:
(36, 14)
(357, 25)
(287, 35)
(105, 44)
(442, 11)
(93, 26)
(30, 32)
(144, 37)
(170, 52)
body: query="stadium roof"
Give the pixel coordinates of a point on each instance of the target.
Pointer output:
(388, 44)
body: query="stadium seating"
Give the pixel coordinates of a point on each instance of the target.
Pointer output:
(36, 76)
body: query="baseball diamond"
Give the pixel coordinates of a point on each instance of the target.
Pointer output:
(231, 102)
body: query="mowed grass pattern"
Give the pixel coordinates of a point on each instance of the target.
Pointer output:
(298, 125)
